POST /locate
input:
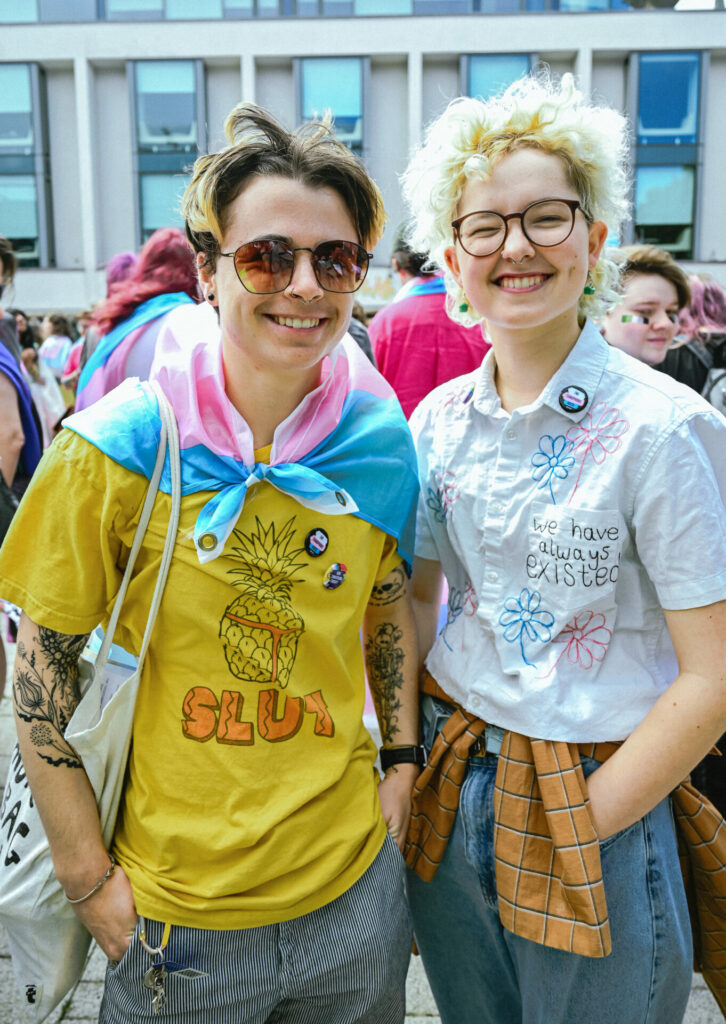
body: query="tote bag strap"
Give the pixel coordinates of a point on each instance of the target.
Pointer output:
(168, 440)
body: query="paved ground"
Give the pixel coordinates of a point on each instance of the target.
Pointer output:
(82, 1006)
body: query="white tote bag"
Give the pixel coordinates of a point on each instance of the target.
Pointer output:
(48, 944)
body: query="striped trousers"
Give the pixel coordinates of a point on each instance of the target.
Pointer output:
(344, 963)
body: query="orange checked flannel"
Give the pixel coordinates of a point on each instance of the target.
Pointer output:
(546, 848)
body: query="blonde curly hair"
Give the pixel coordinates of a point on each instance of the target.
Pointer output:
(536, 112)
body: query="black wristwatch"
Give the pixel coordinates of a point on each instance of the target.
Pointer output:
(402, 755)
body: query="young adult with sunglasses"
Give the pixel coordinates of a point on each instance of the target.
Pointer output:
(254, 841)
(574, 500)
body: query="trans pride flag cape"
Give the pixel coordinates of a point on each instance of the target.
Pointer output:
(346, 449)
(91, 381)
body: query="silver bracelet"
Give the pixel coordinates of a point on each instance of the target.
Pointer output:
(97, 886)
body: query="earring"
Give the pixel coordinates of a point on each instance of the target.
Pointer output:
(589, 288)
(464, 306)
(210, 296)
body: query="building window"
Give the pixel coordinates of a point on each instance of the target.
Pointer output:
(383, 6)
(664, 198)
(487, 75)
(192, 9)
(334, 84)
(666, 150)
(134, 10)
(18, 10)
(168, 107)
(24, 195)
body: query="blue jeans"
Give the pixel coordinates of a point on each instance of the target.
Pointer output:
(482, 974)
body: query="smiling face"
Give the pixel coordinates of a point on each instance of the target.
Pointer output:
(524, 289)
(645, 322)
(290, 332)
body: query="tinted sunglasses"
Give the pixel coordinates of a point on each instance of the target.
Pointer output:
(267, 266)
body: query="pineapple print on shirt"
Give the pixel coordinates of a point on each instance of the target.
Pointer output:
(260, 629)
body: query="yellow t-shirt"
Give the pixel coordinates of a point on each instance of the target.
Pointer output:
(251, 792)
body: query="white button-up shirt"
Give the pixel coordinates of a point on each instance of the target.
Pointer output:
(564, 529)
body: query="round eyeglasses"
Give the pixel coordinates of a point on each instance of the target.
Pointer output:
(547, 222)
(268, 265)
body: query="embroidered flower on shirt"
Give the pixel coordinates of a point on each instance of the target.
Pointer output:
(455, 607)
(598, 434)
(459, 396)
(552, 459)
(586, 639)
(523, 619)
(471, 601)
(446, 485)
(446, 493)
(436, 504)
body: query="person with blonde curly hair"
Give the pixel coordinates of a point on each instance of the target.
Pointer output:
(573, 499)
(256, 845)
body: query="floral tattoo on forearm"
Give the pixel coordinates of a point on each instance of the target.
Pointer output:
(46, 692)
(384, 658)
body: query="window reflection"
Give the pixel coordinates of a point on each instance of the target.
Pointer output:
(16, 109)
(166, 105)
(335, 84)
(18, 10)
(491, 74)
(160, 202)
(668, 98)
(664, 208)
(382, 6)
(19, 216)
(134, 9)
(189, 9)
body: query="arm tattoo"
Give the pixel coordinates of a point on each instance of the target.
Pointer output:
(390, 588)
(385, 662)
(46, 693)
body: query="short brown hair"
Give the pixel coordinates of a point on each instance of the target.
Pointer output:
(259, 145)
(8, 261)
(649, 259)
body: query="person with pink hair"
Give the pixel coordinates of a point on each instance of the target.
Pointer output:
(130, 319)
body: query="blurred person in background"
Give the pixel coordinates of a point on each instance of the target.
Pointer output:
(703, 325)
(118, 269)
(27, 332)
(55, 330)
(645, 321)
(72, 368)
(8, 327)
(358, 330)
(130, 319)
(416, 344)
(46, 393)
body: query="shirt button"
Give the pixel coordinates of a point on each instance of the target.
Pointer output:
(510, 434)
(475, 702)
(497, 508)
(492, 577)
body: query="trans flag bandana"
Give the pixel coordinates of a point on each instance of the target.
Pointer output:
(346, 449)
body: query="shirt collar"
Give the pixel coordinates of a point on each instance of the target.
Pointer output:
(569, 392)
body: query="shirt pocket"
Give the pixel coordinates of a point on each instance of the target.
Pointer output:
(573, 558)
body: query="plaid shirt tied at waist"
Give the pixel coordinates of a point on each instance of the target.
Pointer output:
(546, 848)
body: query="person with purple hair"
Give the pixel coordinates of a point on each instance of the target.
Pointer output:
(118, 269)
(134, 312)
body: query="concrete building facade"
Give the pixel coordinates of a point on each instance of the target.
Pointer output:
(102, 116)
